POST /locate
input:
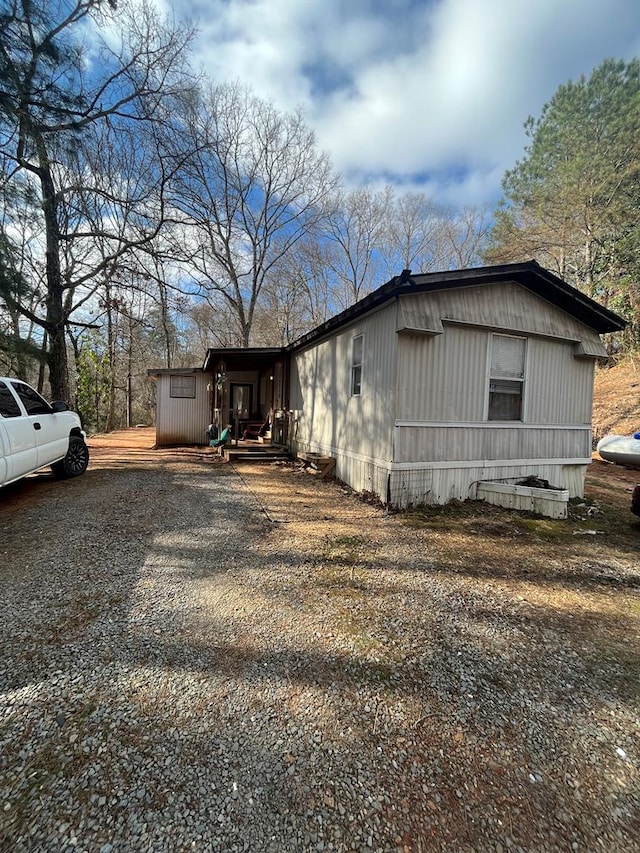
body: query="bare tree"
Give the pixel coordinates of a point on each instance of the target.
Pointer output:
(423, 236)
(255, 187)
(156, 277)
(466, 234)
(412, 238)
(282, 314)
(358, 226)
(298, 294)
(58, 110)
(211, 322)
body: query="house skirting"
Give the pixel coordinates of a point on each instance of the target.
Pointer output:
(412, 483)
(459, 481)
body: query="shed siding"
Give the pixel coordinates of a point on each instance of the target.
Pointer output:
(182, 420)
(356, 430)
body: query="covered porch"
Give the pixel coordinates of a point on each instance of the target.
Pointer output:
(249, 396)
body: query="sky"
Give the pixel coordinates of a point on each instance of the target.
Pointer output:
(426, 95)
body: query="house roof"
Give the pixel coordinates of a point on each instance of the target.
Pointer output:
(529, 274)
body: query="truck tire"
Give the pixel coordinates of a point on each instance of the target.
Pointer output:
(75, 462)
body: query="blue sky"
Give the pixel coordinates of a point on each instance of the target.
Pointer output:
(428, 95)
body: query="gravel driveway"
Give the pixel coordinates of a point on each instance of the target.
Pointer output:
(197, 656)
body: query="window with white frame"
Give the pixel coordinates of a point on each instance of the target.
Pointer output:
(506, 378)
(182, 386)
(356, 366)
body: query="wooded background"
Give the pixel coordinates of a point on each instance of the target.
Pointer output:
(147, 213)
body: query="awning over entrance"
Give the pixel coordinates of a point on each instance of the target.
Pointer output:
(242, 358)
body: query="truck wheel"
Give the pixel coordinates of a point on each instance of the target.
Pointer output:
(76, 460)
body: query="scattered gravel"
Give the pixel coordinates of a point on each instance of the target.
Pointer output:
(202, 657)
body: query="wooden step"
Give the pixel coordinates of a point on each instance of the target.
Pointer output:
(323, 466)
(257, 455)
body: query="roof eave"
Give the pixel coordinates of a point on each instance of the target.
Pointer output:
(528, 273)
(228, 353)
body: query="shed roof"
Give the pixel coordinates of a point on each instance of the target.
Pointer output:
(153, 372)
(241, 358)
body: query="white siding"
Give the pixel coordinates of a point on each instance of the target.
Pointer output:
(356, 430)
(559, 385)
(182, 420)
(485, 442)
(511, 308)
(442, 378)
(419, 432)
(417, 313)
(445, 379)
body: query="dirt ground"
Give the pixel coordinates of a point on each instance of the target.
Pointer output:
(600, 540)
(494, 656)
(616, 403)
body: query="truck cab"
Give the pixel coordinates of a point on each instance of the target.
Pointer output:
(35, 434)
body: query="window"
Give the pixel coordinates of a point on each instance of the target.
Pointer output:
(182, 386)
(8, 406)
(506, 378)
(31, 400)
(356, 366)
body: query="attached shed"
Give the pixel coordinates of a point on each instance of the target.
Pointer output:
(182, 405)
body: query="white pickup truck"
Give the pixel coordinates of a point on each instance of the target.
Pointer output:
(34, 434)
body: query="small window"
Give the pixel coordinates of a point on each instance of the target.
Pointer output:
(506, 379)
(182, 386)
(356, 366)
(31, 400)
(8, 405)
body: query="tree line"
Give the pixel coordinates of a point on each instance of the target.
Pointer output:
(572, 201)
(147, 212)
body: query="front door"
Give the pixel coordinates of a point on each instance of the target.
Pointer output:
(279, 427)
(241, 404)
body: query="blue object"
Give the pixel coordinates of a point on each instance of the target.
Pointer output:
(636, 435)
(224, 438)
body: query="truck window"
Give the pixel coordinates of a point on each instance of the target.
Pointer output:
(31, 400)
(8, 406)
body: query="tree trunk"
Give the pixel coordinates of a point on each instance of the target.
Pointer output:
(164, 314)
(111, 348)
(45, 344)
(55, 323)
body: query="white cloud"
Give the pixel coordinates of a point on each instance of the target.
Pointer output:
(417, 92)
